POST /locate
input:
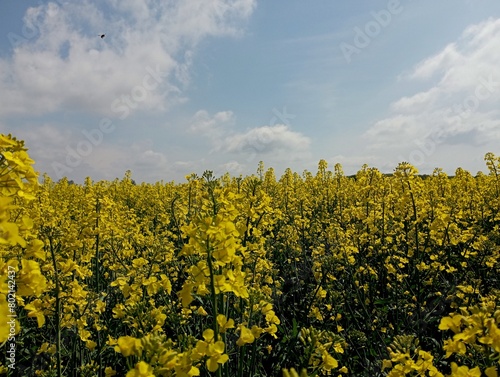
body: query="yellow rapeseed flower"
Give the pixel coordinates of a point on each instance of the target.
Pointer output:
(142, 369)
(246, 336)
(464, 371)
(224, 323)
(128, 346)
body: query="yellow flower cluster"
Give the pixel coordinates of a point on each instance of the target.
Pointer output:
(321, 345)
(20, 251)
(476, 330)
(408, 359)
(245, 276)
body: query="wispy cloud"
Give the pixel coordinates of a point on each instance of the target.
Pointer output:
(212, 126)
(460, 104)
(142, 63)
(270, 141)
(267, 140)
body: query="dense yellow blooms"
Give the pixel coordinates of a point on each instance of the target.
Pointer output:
(372, 274)
(20, 250)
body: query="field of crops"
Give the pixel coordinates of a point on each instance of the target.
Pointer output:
(370, 275)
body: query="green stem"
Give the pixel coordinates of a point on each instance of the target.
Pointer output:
(240, 361)
(215, 325)
(58, 309)
(253, 364)
(98, 288)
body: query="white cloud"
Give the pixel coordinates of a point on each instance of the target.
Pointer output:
(267, 139)
(142, 63)
(275, 143)
(472, 49)
(232, 167)
(419, 101)
(203, 122)
(67, 152)
(436, 64)
(151, 158)
(405, 127)
(460, 104)
(46, 140)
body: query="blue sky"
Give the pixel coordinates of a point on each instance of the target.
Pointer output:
(179, 87)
